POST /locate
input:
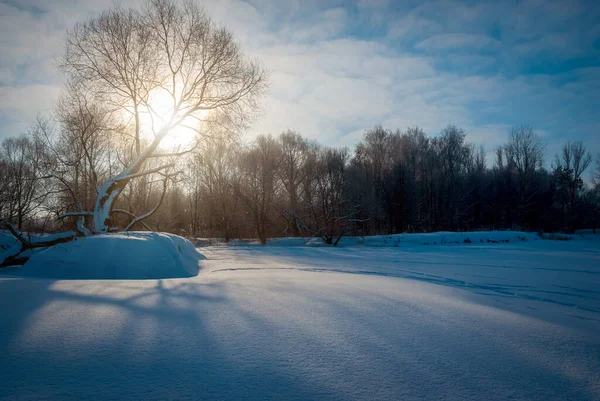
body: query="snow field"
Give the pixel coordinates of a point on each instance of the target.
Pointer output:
(469, 321)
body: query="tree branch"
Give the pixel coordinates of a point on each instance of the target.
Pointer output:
(151, 212)
(132, 215)
(42, 242)
(61, 216)
(142, 173)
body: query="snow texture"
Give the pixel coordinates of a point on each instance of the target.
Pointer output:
(136, 255)
(467, 321)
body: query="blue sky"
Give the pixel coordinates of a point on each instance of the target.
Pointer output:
(340, 67)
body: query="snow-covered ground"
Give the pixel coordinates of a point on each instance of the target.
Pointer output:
(478, 320)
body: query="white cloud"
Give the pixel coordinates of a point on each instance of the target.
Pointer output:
(19, 106)
(412, 26)
(458, 41)
(372, 3)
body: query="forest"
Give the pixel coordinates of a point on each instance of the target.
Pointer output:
(223, 187)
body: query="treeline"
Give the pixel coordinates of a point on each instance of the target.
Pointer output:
(393, 181)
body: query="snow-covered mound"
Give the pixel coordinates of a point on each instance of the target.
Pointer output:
(136, 255)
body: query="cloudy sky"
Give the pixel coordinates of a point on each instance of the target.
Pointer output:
(340, 67)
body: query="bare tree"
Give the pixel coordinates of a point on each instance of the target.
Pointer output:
(524, 155)
(129, 59)
(456, 158)
(5, 183)
(292, 173)
(570, 165)
(79, 147)
(24, 161)
(374, 157)
(213, 176)
(257, 188)
(331, 206)
(165, 68)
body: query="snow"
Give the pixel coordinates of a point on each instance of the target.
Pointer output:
(479, 321)
(437, 238)
(9, 245)
(136, 255)
(402, 240)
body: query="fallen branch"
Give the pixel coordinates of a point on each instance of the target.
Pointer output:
(41, 242)
(34, 242)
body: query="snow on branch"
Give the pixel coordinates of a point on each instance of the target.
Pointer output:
(62, 216)
(38, 242)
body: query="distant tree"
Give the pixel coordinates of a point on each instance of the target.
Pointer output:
(257, 186)
(214, 173)
(5, 184)
(569, 166)
(373, 157)
(456, 159)
(596, 179)
(524, 154)
(24, 190)
(332, 209)
(292, 172)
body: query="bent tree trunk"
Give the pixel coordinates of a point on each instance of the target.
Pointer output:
(107, 195)
(113, 187)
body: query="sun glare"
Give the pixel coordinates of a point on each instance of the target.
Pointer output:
(160, 113)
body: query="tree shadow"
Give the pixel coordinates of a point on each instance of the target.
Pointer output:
(100, 341)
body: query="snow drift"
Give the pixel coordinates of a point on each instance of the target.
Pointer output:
(135, 255)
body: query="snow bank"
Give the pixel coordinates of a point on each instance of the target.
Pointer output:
(398, 240)
(136, 255)
(440, 238)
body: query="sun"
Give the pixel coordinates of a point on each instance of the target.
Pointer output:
(158, 113)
